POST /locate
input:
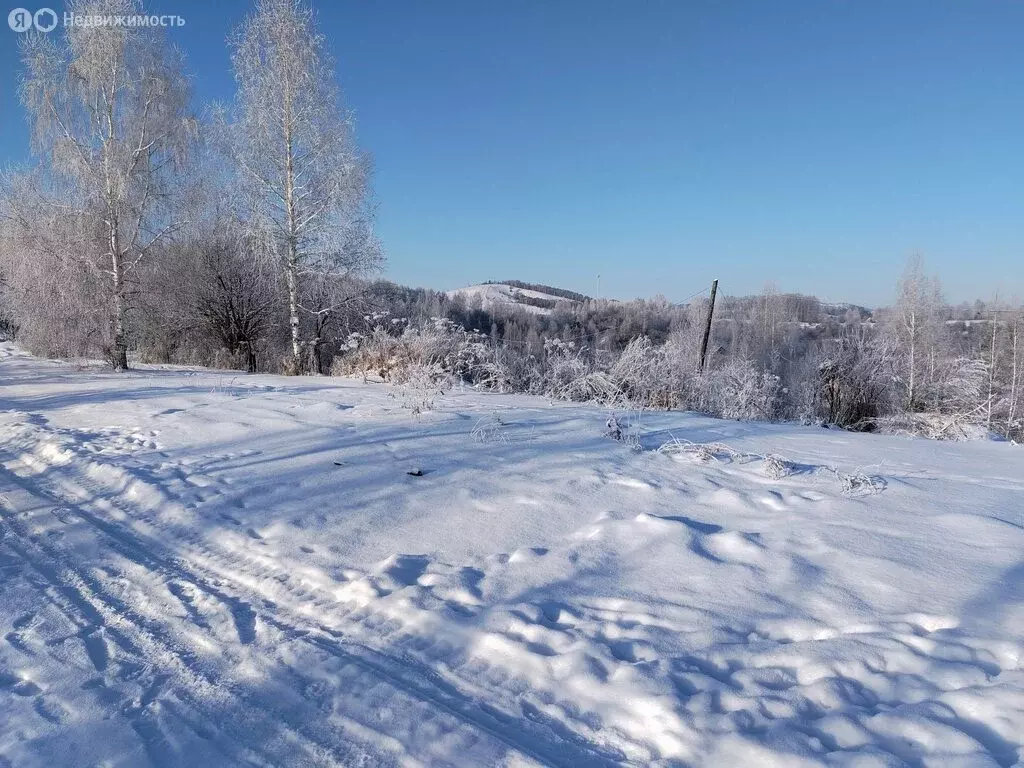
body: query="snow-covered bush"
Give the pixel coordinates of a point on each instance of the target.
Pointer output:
(681, 354)
(441, 348)
(960, 388)
(700, 452)
(448, 346)
(856, 384)
(624, 429)
(564, 366)
(640, 378)
(489, 429)
(377, 352)
(420, 383)
(642, 374)
(739, 390)
(776, 467)
(934, 426)
(597, 387)
(858, 482)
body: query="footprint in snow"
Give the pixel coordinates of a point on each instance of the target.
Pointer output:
(245, 621)
(50, 709)
(405, 569)
(96, 648)
(17, 685)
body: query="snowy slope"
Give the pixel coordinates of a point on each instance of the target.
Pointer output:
(499, 296)
(203, 568)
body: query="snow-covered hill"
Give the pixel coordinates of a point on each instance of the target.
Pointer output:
(208, 568)
(498, 297)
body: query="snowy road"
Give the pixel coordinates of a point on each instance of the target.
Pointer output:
(199, 568)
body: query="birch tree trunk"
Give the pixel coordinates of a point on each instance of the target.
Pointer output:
(119, 344)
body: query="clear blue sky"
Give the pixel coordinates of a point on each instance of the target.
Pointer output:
(665, 142)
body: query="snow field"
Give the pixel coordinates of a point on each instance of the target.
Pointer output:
(203, 568)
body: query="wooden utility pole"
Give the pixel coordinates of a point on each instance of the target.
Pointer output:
(707, 327)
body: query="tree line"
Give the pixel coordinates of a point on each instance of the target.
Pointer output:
(919, 366)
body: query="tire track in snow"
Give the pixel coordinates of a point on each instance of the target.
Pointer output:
(206, 692)
(63, 589)
(526, 735)
(407, 674)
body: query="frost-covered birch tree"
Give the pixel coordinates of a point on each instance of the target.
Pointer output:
(108, 106)
(914, 324)
(293, 144)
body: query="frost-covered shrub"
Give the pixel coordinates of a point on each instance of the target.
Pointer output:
(377, 352)
(440, 348)
(564, 366)
(512, 368)
(596, 387)
(642, 374)
(960, 389)
(423, 376)
(700, 452)
(640, 377)
(855, 384)
(649, 376)
(489, 429)
(420, 383)
(959, 405)
(934, 426)
(739, 390)
(624, 429)
(53, 301)
(858, 482)
(680, 370)
(776, 467)
(489, 373)
(448, 346)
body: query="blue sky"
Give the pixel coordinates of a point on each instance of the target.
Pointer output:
(662, 143)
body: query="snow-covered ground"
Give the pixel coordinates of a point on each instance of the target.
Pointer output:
(203, 568)
(499, 296)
